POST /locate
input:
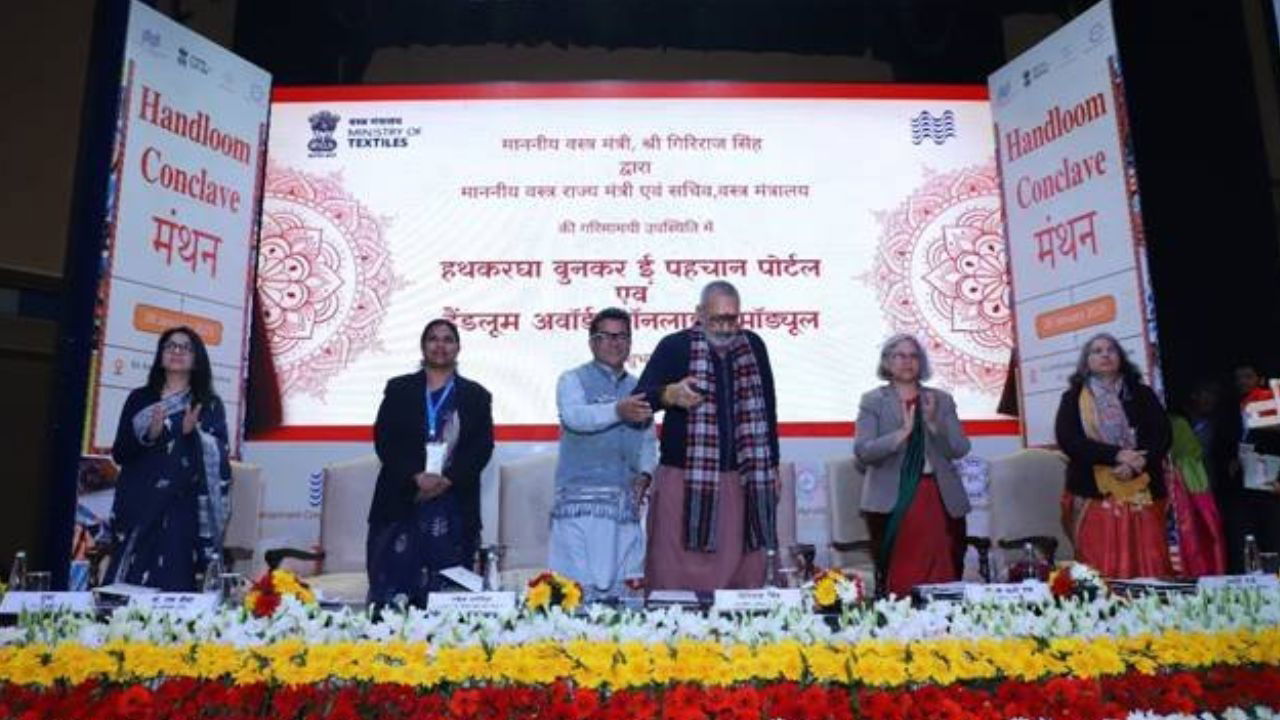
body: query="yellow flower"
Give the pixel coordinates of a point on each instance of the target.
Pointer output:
(824, 593)
(876, 663)
(826, 664)
(572, 595)
(539, 596)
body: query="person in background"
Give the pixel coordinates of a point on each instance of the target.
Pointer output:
(1116, 436)
(912, 498)
(1249, 511)
(714, 505)
(1201, 548)
(434, 436)
(171, 504)
(608, 452)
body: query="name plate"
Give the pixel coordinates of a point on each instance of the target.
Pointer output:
(1249, 582)
(672, 597)
(18, 602)
(756, 600)
(1031, 591)
(480, 602)
(187, 604)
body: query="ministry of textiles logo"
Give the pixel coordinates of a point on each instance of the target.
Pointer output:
(189, 59)
(323, 125)
(1033, 73)
(927, 126)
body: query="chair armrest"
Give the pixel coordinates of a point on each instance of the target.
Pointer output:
(275, 556)
(232, 554)
(983, 547)
(1046, 544)
(855, 546)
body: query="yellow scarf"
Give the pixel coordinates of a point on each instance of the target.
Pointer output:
(1134, 491)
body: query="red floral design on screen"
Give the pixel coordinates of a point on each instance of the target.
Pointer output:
(324, 277)
(941, 273)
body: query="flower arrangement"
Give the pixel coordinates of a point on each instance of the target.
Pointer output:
(551, 589)
(831, 589)
(1076, 580)
(1203, 694)
(264, 598)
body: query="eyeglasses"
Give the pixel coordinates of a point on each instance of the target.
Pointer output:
(177, 348)
(722, 320)
(612, 337)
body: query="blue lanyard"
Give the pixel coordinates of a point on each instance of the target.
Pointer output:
(433, 409)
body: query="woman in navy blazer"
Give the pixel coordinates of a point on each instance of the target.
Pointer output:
(426, 519)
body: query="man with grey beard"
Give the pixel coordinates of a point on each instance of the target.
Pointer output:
(714, 504)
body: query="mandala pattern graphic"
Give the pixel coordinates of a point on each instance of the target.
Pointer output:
(324, 278)
(941, 274)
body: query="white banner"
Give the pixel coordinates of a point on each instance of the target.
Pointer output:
(1076, 252)
(185, 177)
(844, 214)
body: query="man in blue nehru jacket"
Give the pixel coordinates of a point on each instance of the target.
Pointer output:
(608, 452)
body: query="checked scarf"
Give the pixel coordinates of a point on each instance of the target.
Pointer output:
(756, 466)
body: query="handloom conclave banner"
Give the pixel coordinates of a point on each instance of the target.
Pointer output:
(844, 214)
(185, 182)
(1075, 240)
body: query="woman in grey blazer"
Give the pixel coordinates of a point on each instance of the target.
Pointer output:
(913, 500)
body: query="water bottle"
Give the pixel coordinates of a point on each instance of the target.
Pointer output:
(1027, 567)
(18, 572)
(213, 576)
(770, 568)
(1252, 558)
(1039, 564)
(492, 555)
(78, 576)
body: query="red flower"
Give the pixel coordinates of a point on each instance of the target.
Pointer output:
(782, 700)
(135, 703)
(629, 705)
(716, 700)
(585, 703)
(814, 704)
(684, 712)
(465, 703)
(344, 706)
(432, 706)
(746, 703)
(683, 697)
(265, 604)
(883, 706)
(1062, 584)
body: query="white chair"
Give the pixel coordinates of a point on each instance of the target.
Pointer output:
(244, 528)
(786, 505)
(526, 492)
(344, 527)
(851, 549)
(1026, 503)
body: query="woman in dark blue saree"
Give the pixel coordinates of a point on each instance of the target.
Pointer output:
(434, 436)
(171, 505)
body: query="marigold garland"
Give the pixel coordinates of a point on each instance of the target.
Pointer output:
(621, 665)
